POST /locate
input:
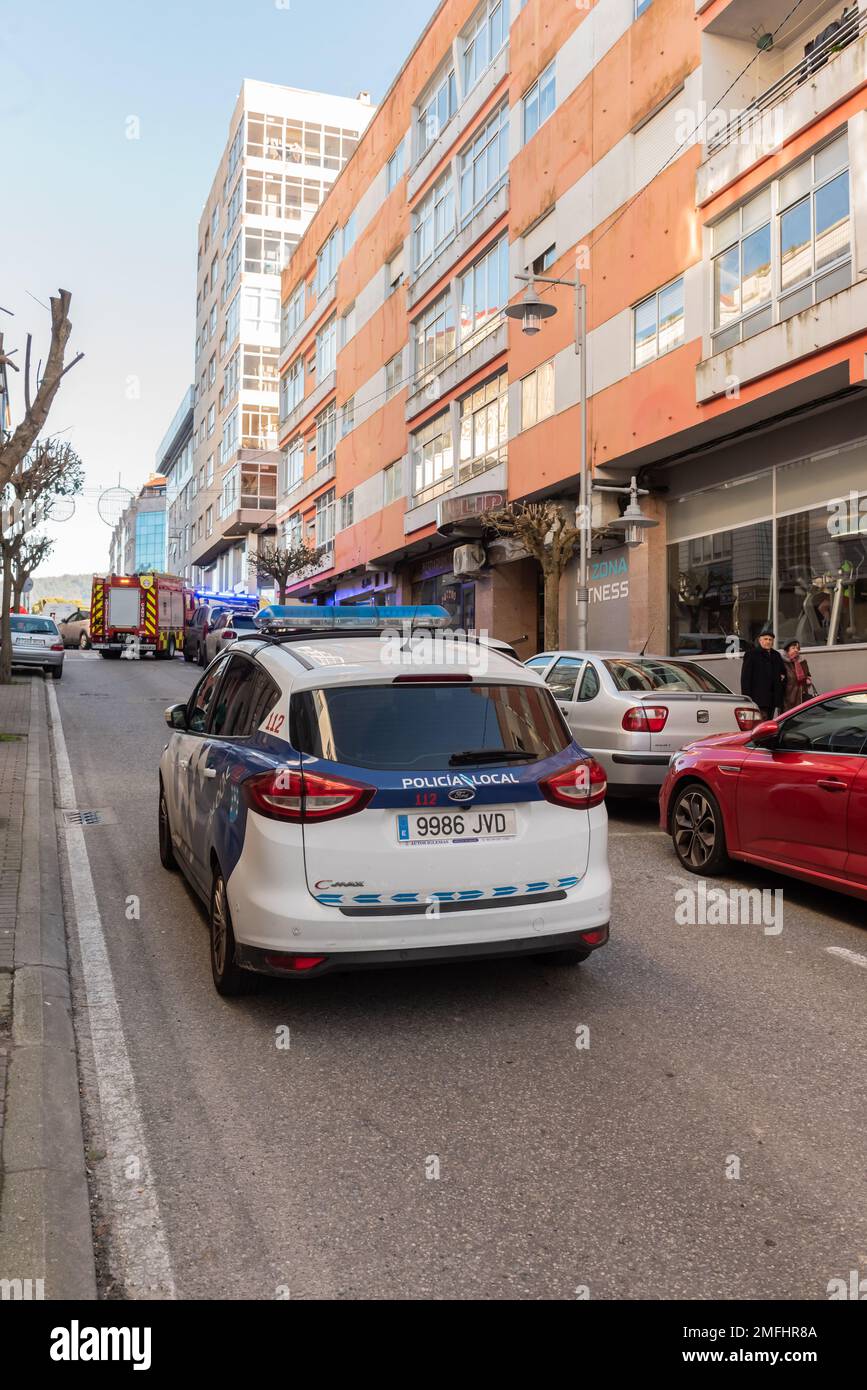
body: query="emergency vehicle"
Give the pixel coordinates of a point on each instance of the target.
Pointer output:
(342, 794)
(149, 610)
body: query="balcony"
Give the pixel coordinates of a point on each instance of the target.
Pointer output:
(831, 52)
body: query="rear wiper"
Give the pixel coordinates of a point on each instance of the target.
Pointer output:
(490, 755)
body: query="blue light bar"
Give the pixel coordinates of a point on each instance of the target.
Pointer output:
(298, 617)
(229, 599)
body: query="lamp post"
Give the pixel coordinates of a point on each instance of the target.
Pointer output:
(531, 311)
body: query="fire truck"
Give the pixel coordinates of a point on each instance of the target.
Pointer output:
(146, 612)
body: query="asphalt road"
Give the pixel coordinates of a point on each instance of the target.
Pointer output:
(302, 1172)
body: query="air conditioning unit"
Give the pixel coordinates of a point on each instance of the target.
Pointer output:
(468, 559)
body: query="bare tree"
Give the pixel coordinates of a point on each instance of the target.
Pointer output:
(285, 563)
(32, 552)
(51, 469)
(545, 532)
(15, 447)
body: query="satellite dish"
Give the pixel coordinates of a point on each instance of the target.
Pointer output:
(112, 504)
(59, 509)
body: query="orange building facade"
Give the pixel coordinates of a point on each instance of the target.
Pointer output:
(709, 184)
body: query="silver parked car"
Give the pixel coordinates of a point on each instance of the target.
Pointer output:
(36, 642)
(225, 631)
(631, 713)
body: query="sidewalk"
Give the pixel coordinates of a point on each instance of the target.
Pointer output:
(45, 1231)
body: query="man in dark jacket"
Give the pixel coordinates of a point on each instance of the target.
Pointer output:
(763, 677)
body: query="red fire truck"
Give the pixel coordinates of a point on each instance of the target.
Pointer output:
(147, 610)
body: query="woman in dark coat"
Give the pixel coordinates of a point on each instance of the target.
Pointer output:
(799, 679)
(763, 675)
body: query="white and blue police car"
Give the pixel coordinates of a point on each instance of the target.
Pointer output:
(353, 787)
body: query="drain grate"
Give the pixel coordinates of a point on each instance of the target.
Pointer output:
(87, 817)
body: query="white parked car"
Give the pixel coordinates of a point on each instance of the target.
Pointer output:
(336, 810)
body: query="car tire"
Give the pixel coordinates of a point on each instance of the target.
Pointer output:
(188, 652)
(698, 830)
(171, 649)
(57, 672)
(201, 655)
(84, 643)
(229, 980)
(167, 852)
(110, 656)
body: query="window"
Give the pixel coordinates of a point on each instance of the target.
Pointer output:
(233, 265)
(834, 726)
(212, 320)
(261, 312)
(539, 102)
(232, 708)
(785, 249)
(293, 382)
(233, 321)
(484, 164)
(260, 368)
(347, 326)
(350, 232)
(199, 708)
(484, 427)
(486, 37)
(392, 487)
(212, 419)
(229, 442)
(209, 521)
(433, 221)
(293, 315)
(347, 417)
(561, 679)
(393, 375)
(326, 264)
(347, 509)
(214, 267)
(537, 396)
(231, 376)
(209, 473)
(326, 435)
(234, 207)
(484, 292)
(326, 348)
(267, 252)
(437, 111)
(212, 369)
(432, 458)
(394, 272)
(292, 532)
(641, 6)
(294, 463)
(325, 512)
(380, 726)
(545, 261)
(394, 172)
(657, 324)
(434, 333)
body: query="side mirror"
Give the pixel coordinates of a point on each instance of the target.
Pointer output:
(176, 716)
(766, 734)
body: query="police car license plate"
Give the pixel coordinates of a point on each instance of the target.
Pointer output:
(455, 827)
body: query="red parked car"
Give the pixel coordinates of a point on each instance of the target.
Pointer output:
(790, 795)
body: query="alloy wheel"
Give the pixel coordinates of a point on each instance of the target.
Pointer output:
(695, 829)
(218, 925)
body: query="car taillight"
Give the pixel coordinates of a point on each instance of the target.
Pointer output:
(583, 785)
(645, 719)
(56, 647)
(295, 964)
(288, 794)
(226, 633)
(747, 718)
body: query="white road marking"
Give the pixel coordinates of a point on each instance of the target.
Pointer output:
(851, 956)
(143, 1249)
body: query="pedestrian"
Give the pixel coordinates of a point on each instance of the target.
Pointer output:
(763, 676)
(799, 679)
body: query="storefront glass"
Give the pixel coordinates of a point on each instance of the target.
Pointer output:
(800, 564)
(457, 596)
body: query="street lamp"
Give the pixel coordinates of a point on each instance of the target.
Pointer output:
(531, 311)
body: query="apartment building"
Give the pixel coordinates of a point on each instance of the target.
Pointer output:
(174, 462)
(705, 173)
(138, 541)
(285, 149)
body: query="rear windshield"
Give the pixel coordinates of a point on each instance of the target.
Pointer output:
(648, 673)
(425, 727)
(32, 625)
(241, 620)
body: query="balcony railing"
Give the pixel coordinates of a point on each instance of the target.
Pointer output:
(851, 26)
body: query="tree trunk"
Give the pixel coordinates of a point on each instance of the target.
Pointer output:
(283, 587)
(552, 610)
(5, 626)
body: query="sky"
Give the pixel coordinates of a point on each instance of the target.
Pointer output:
(114, 219)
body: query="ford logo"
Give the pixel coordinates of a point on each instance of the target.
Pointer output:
(462, 794)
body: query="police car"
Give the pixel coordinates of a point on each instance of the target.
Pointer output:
(358, 787)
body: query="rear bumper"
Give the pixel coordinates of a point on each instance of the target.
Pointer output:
(119, 646)
(37, 656)
(252, 958)
(639, 771)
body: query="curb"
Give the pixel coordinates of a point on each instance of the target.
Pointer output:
(45, 1226)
